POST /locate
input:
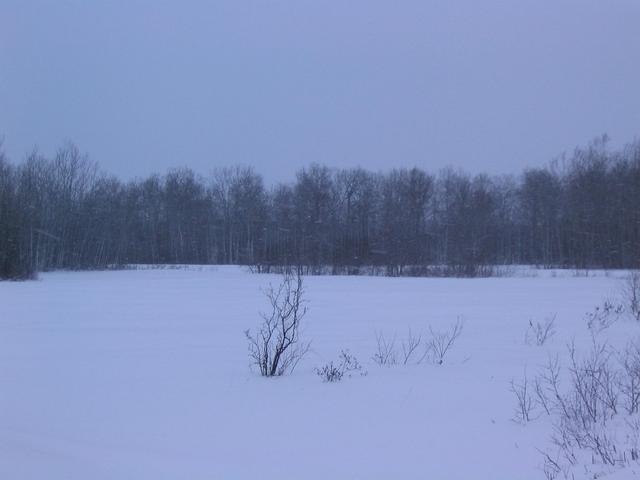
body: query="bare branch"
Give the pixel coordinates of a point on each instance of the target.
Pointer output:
(277, 348)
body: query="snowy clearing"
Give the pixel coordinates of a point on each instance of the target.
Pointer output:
(145, 375)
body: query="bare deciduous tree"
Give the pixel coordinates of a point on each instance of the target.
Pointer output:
(277, 347)
(61, 213)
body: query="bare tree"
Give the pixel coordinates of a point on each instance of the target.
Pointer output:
(61, 212)
(277, 347)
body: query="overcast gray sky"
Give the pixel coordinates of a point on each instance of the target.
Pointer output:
(482, 85)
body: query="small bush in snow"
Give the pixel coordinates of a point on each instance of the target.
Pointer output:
(410, 347)
(629, 383)
(539, 332)
(552, 467)
(435, 346)
(524, 399)
(277, 347)
(547, 386)
(386, 354)
(594, 415)
(440, 342)
(603, 316)
(347, 365)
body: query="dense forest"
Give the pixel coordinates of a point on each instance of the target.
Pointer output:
(580, 211)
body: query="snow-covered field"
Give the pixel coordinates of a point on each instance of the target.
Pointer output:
(145, 375)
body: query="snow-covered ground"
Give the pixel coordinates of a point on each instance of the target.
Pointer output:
(145, 375)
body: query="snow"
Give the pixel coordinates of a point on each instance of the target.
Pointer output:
(144, 374)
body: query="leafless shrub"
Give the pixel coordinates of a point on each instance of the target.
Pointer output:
(277, 347)
(410, 346)
(347, 365)
(440, 342)
(629, 382)
(386, 354)
(594, 382)
(524, 399)
(631, 294)
(551, 467)
(633, 426)
(586, 414)
(602, 442)
(539, 332)
(547, 387)
(541, 395)
(602, 317)
(588, 406)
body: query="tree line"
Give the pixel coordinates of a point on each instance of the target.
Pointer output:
(580, 211)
